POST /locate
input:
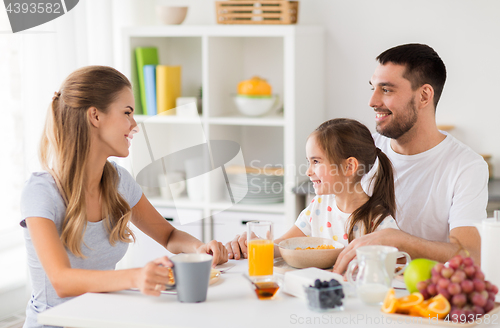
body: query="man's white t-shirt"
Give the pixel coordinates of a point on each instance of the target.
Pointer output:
(440, 189)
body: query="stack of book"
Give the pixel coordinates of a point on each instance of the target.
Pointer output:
(159, 85)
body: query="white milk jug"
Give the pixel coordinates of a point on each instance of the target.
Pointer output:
(372, 281)
(489, 229)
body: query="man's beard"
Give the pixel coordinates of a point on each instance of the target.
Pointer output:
(399, 127)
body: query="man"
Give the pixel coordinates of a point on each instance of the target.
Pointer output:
(440, 184)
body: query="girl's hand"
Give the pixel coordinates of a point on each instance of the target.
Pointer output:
(153, 277)
(216, 249)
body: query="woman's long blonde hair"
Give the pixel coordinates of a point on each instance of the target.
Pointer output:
(65, 148)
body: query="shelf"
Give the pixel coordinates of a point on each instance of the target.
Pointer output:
(181, 203)
(256, 208)
(278, 208)
(271, 120)
(217, 58)
(445, 127)
(274, 120)
(220, 31)
(172, 119)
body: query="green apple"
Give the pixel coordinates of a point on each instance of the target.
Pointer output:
(418, 270)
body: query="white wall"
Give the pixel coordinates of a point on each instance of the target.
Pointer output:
(465, 33)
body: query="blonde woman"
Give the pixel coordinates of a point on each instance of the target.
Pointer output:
(77, 211)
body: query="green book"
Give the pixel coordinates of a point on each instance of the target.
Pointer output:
(144, 56)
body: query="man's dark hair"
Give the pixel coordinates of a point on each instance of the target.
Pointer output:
(423, 66)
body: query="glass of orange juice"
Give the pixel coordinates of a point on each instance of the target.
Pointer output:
(260, 250)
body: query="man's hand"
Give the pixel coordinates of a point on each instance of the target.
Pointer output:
(467, 237)
(216, 249)
(386, 237)
(237, 248)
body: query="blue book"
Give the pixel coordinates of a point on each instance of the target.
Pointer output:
(150, 88)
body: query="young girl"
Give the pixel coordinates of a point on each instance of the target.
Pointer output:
(77, 211)
(341, 153)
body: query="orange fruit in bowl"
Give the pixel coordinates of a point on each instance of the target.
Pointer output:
(408, 302)
(390, 304)
(256, 86)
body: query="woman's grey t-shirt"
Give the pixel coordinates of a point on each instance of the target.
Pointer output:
(41, 198)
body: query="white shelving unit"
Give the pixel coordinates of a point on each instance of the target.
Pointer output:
(217, 58)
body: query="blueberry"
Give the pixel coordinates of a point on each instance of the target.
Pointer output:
(324, 297)
(334, 283)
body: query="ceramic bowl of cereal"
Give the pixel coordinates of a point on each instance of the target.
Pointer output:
(306, 252)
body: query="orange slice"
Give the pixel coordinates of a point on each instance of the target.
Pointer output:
(390, 304)
(408, 302)
(419, 309)
(438, 307)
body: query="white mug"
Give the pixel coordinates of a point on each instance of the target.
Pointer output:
(172, 185)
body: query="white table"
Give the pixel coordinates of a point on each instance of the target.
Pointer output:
(231, 302)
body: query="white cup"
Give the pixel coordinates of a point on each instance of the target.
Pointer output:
(172, 185)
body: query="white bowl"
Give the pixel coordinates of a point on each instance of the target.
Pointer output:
(255, 105)
(171, 15)
(306, 258)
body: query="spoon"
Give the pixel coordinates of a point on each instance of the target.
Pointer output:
(248, 278)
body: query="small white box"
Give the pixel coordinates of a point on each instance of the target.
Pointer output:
(296, 280)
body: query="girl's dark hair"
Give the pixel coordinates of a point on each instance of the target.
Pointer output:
(343, 138)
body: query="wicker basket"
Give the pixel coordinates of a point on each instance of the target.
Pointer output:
(257, 12)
